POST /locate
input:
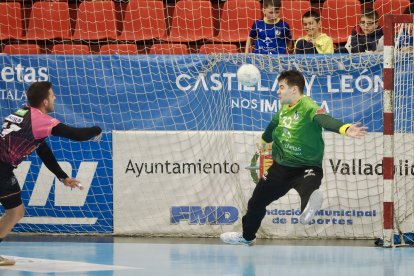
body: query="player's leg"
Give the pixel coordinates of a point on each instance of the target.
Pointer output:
(270, 188)
(314, 204)
(14, 210)
(7, 222)
(10, 218)
(307, 186)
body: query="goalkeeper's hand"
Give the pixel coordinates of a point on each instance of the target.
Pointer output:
(356, 131)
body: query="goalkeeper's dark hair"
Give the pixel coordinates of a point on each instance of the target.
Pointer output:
(272, 3)
(312, 13)
(38, 92)
(293, 78)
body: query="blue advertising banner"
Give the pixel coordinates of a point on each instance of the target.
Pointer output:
(167, 92)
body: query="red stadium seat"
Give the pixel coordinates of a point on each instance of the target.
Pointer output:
(236, 20)
(192, 21)
(292, 12)
(121, 49)
(339, 17)
(143, 21)
(169, 49)
(218, 48)
(22, 49)
(389, 7)
(11, 21)
(70, 49)
(95, 21)
(49, 20)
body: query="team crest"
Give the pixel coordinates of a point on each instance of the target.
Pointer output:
(261, 162)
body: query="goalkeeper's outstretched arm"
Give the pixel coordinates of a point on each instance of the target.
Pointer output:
(334, 125)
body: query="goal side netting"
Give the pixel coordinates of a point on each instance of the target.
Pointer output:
(398, 128)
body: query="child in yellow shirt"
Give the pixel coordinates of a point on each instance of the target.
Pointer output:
(314, 42)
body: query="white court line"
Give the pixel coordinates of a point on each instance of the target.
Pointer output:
(56, 220)
(54, 266)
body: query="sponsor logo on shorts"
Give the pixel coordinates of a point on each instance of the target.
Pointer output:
(309, 172)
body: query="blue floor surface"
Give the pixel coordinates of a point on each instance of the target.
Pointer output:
(209, 257)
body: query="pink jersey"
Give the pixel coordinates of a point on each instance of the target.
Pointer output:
(22, 132)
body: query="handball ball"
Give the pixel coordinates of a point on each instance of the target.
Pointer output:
(248, 75)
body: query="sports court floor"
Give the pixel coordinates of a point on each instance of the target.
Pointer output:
(46, 255)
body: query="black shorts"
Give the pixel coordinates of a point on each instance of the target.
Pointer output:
(9, 188)
(280, 179)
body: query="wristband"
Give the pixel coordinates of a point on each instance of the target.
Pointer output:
(344, 128)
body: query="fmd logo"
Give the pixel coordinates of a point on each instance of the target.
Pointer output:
(213, 215)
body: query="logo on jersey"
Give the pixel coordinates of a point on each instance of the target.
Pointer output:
(14, 119)
(296, 116)
(286, 133)
(309, 173)
(21, 112)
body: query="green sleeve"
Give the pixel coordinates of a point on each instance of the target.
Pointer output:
(328, 123)
(267, 135)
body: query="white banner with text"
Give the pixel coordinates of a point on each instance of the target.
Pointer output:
(198, 183)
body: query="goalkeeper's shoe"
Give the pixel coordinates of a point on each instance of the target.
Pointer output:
(314, 204)
(4, 261)
(235, 238)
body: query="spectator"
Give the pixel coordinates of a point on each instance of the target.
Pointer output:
(314, 42)
(405, 38)
(271, 35)
(367, 36)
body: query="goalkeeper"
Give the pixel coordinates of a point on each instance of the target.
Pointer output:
(23, 132)
(297, 151)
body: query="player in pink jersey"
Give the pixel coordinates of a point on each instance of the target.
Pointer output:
(23, 132)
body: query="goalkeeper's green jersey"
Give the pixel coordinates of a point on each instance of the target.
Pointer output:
(297, 138)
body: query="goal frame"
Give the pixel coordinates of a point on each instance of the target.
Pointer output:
(388, 116)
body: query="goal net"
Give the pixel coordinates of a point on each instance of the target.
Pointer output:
(398, 129)
(179, 154)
